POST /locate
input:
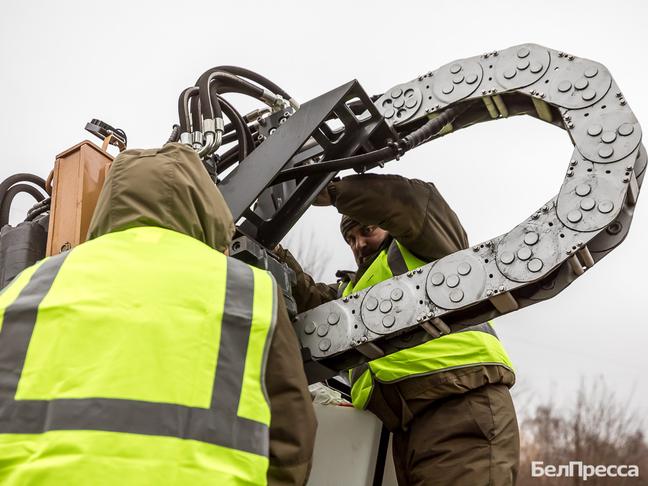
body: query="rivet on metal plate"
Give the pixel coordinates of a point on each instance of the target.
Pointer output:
(535, 265)
(531, 238)
(523, 52)
(606, 151)
(437, 279)
(574, 216)
(396, 294)
(594, 130)
(605, 206)
(587, 204)
(626, 129)
(372, 303)
(452, 281)
(524, 253)
(464, 268)
(456, 295)
(507, 257)
(590, 72)
(388, 321)
(385, 306)
(583, 189)
(564, 86)
(609, 136)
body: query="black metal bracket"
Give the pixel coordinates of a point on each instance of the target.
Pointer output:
(325, 127)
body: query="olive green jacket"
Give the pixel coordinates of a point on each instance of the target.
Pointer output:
(420, 219)
(170, 188)
(417, 216)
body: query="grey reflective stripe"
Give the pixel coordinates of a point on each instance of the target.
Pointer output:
(217, 425)
(269, 337)
(18, 324)
(228, 380)
(235, 334)
(358, 371)
(483, 327)
(130, 416)
(395, 260)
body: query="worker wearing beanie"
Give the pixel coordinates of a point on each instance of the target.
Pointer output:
(446, 401)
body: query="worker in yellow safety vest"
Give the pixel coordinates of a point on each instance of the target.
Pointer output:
(446, 400)
(147, 356)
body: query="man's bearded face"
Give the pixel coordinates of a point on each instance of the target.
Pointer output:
(365, 241)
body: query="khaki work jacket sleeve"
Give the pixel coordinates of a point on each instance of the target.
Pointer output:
(412, 211)
(306, 291)
(293, 423)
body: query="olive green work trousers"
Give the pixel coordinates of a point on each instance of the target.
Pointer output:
(464, 439)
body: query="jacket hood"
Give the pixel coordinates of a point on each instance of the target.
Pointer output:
(167, 187)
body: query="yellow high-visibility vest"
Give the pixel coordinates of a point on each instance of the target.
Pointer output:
(136, 358)
(475, 345)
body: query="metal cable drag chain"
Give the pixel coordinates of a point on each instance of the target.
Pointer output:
(541, 256)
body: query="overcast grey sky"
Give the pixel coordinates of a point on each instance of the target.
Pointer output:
(63, 63)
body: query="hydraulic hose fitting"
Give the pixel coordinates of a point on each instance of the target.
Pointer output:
(209, 127)
(279, 104)
(220, 130)
(197, 140)
(213, 130)
(293, 102)
(185, 139)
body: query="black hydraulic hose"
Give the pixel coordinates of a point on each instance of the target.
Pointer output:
(224, 83)
(22, 177)
(228, 159)
(393, 151)
(9, 195)
(382, 155)
(183, 105)
(246, 144)
(431, 128)
(257, 78)
(233, 136)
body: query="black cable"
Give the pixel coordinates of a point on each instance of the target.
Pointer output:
(183, 106)
(431, 128)
(382, 155)
(10, 194)
(246, 144)
(233, 137)
(257, 78)
(393, 151)
(228, 159)
(21, 177)
(224, 83)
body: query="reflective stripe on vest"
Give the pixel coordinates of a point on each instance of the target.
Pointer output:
(245, 333)
(470, 346)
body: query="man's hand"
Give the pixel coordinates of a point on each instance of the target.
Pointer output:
(327, 196)
(323, 198)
